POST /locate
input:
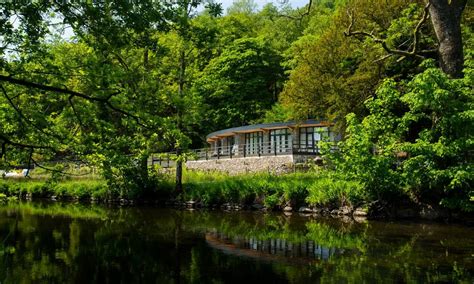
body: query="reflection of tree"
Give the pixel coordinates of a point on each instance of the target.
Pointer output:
(133, 245)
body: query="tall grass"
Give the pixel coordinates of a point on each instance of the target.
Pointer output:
(294, 189)
(314, 188)
(81, 189)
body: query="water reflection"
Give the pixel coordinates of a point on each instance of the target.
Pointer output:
(83, 243)
(271, 249)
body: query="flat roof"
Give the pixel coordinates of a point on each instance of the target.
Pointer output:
(264, 126)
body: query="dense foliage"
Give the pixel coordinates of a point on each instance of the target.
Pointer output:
(130, 79)
(416, 141)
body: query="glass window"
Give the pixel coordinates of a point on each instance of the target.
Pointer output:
(323, 133)
(280, 140)
(253, 142)
(310, 137)
(226, 144)
(307, 138)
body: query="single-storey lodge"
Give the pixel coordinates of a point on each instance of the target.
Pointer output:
(270, 139)
(263, 146)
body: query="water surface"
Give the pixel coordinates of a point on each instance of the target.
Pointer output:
(71, 243)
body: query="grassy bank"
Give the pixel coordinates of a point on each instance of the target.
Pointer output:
(207, 188)
(273, 191)
(65, 189)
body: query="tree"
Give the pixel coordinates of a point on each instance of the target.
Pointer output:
(446, 20)
(240, 85)
(186, 37)
(242, 6)
(93, 22)
(416, 141)
(331, 76)
(80, 100)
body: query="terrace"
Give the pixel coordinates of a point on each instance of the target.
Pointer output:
(281, 138)
(300, 140)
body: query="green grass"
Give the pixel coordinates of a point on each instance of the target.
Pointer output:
(81, 189)
(296, 189)
(315, 188)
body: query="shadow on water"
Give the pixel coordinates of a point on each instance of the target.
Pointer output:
(54, 242)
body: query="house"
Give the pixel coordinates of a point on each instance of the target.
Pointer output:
(267, 146)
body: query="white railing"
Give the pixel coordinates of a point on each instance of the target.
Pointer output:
(282, 147)
(285, 147)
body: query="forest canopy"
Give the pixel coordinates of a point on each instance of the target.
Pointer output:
(136, 78)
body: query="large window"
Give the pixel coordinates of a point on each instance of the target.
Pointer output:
(253, 142)
(280, 141)
(226, 144)
(310, 136)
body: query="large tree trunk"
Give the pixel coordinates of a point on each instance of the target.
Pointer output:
(181, 81)
(446, 19)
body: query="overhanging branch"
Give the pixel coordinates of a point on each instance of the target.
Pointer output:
(71, 93)
(414, 52)
(22, 116)
(8, 141)
(301, 15)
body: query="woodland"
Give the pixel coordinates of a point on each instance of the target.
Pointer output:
(108, 83)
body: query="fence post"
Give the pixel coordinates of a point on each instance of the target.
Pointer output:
(275, 147)
(168, 156)
(218, 152)
(258, 149)
(207, 157)
(230, 150)
(245, 150)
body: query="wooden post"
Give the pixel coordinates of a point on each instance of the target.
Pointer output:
(245, 150)
(275, 147)
(207, 155)
(218, 152)
(179, 171)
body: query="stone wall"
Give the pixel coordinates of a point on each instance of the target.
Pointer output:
(273, 164)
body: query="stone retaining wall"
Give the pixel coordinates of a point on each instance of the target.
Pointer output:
(273, 164)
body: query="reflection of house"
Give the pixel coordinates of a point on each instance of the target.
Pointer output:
(298, 141)
(271, 249)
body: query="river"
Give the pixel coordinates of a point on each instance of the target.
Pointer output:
(78, 243)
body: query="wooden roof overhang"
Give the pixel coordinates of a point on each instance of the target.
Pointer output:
(217, 135)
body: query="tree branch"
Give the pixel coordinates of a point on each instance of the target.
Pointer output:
(105, 101)
(56, 171)
(47, 88)
(7, 141)
(4, 149)
(23, 117)
(416, 33)
(414, 52)
(75, 112)
(301, 15)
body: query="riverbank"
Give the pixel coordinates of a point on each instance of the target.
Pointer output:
(306, 193)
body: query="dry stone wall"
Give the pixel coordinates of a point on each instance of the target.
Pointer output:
(273, 164)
